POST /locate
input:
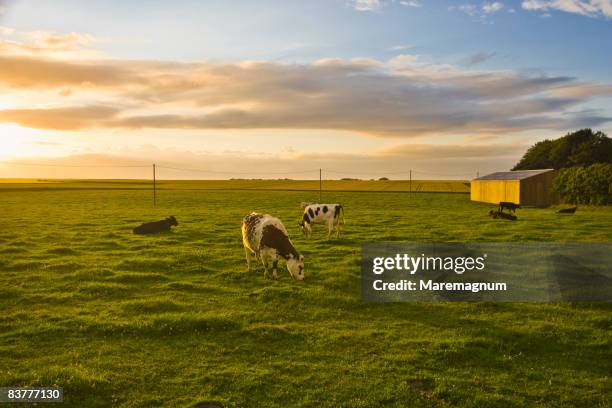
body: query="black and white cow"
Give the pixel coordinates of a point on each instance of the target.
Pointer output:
(322, 214)
(264, 237)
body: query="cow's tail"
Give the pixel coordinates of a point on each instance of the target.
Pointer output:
(342, 211)
(245, 238)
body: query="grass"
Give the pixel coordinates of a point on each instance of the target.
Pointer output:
(175, 319)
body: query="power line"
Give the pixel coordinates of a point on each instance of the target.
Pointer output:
(399, 172)
(442, 174)
(236, 172)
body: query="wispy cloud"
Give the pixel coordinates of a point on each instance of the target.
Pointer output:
(50, 44)
(590, 8)
(478, 58)
(400, 47)
(373, 5)
(492, 7)
(479, 12)
(411, 3)
(366, 5)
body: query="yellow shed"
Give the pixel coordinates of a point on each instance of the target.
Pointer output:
(525, 187)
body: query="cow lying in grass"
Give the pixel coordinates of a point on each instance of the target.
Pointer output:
(567, 210)
(321, 214)
(264, 237)
(156, 226)
(499, 214)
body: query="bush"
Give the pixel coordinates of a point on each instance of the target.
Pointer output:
(585, 185)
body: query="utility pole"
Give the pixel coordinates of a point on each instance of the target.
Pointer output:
(477, 174)
(154, 187)
(411, 181)
(320, 186)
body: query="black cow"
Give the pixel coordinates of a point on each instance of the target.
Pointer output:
(499, 214)
(567, 210)
(511, 207)
(156, 226)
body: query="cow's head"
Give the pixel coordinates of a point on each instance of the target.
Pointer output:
(305, 227)
(296, 266)
(172, 220)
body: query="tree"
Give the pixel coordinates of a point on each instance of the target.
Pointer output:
(581, 148)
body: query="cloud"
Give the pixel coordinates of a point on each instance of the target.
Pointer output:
(31, 72)
(3, 7)
(454, 151)
(6, 30)
(478, 58)
(400, 47)
(366, 5)
(45, 143)
(69, 118)
(590, 8)
(398, 98)
(492, 7)
(480, 12)
(373, 5)
(469, 9)
(411, 3)
(44, 43)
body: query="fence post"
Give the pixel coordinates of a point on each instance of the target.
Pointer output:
(154, 187)
(320, 185)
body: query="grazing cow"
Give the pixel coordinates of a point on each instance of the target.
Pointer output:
(156, 226)
(264, 237)
(511, 207)
(322, 214)
(567, 210)
(499, 214)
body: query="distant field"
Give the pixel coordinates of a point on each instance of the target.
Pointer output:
(448, 186)
(176, 320)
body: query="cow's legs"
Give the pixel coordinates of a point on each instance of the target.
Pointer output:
(264, 260)
(330, 228)
(308, 229)
(247, 253)
(338, 229)
(274, 268)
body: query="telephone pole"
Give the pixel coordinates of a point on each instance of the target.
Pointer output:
(154, 187)
(320, 185)
(410, 181)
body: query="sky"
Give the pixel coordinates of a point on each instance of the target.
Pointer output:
(268, 89)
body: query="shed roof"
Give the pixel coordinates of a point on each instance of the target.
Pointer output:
(513, 175)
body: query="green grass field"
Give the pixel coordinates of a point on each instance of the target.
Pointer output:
(176, 320)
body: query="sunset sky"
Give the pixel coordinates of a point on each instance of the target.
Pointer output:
(362, 88)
